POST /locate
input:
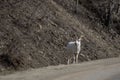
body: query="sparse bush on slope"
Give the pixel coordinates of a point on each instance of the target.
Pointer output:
(34, 33)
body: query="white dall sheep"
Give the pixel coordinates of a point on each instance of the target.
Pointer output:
(73, 50)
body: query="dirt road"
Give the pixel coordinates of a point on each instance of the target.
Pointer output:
(108, 69)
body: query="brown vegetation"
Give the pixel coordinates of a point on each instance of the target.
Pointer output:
(34, 33)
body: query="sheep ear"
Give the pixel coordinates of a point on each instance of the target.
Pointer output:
(81, 36)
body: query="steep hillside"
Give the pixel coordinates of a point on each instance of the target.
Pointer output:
(34, 33)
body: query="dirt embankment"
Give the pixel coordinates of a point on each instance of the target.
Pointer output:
(34, 33)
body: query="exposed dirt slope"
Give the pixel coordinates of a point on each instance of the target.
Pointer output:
(34, 33)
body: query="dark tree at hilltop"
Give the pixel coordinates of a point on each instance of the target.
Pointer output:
(111, 9)
(112, 14)
(107, 11)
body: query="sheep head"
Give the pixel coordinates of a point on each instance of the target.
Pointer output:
(81, 37)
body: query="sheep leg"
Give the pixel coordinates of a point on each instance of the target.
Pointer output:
(77, 57)
(68, 62)
(74, 59)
